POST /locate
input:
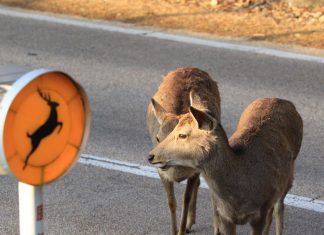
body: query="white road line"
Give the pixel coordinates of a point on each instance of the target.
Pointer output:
(150, 172)
(102, 25)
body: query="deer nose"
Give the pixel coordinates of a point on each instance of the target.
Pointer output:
(150, 158)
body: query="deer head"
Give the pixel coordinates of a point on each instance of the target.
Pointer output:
(47, 98)
(188, 143)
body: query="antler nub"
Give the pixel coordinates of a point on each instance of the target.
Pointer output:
(48, 97)
(45, 96)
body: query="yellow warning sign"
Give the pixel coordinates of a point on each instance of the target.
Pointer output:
(45, 125)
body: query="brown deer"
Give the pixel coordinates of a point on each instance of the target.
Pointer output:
(168, 105)
(47, 128)
(250, 174)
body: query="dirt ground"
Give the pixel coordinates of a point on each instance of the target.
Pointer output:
(252, 20)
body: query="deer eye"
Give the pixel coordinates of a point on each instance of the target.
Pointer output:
(157, 139)
(182, 136)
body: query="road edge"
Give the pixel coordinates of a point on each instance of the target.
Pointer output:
(156, 34)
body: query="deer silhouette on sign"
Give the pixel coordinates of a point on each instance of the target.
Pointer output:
(47, 128)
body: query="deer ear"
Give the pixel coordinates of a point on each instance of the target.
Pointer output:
(203, 120)
(194, 98)
(158, 110)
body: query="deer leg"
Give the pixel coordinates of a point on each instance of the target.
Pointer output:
(168, 186)
(278, 214)
(268, 222)
(34, 147)
(216, 218)
(279, 211)
(226, 227)
(61, 125)
(191, 218)
(185, 204)
(28, 156)
(258, 225)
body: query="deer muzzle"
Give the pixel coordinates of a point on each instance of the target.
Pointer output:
(150, 158)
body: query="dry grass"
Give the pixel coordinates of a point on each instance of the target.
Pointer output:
(266, 22)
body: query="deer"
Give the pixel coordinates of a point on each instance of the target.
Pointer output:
(248, 174)
(167, 107)
(47, 128)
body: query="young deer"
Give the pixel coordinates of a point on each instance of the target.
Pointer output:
(168, 105)
(250, 174)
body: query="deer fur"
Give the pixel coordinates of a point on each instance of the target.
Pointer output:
(168, 105)
(250, 174)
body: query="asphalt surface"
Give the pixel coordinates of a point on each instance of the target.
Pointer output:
(91, 200)
(120, 73)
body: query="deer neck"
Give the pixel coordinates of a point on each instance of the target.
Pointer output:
(219, 168)
(53, 112)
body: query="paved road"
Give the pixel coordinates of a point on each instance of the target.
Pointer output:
(120, 73)
(91, 200)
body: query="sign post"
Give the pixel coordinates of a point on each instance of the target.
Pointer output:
(30, 209)
(44, 124)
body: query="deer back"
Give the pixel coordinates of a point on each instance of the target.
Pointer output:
(268, 120)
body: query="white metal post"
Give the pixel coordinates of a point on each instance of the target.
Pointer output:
(30, 209)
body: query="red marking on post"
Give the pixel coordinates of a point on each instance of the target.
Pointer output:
(40, 212)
